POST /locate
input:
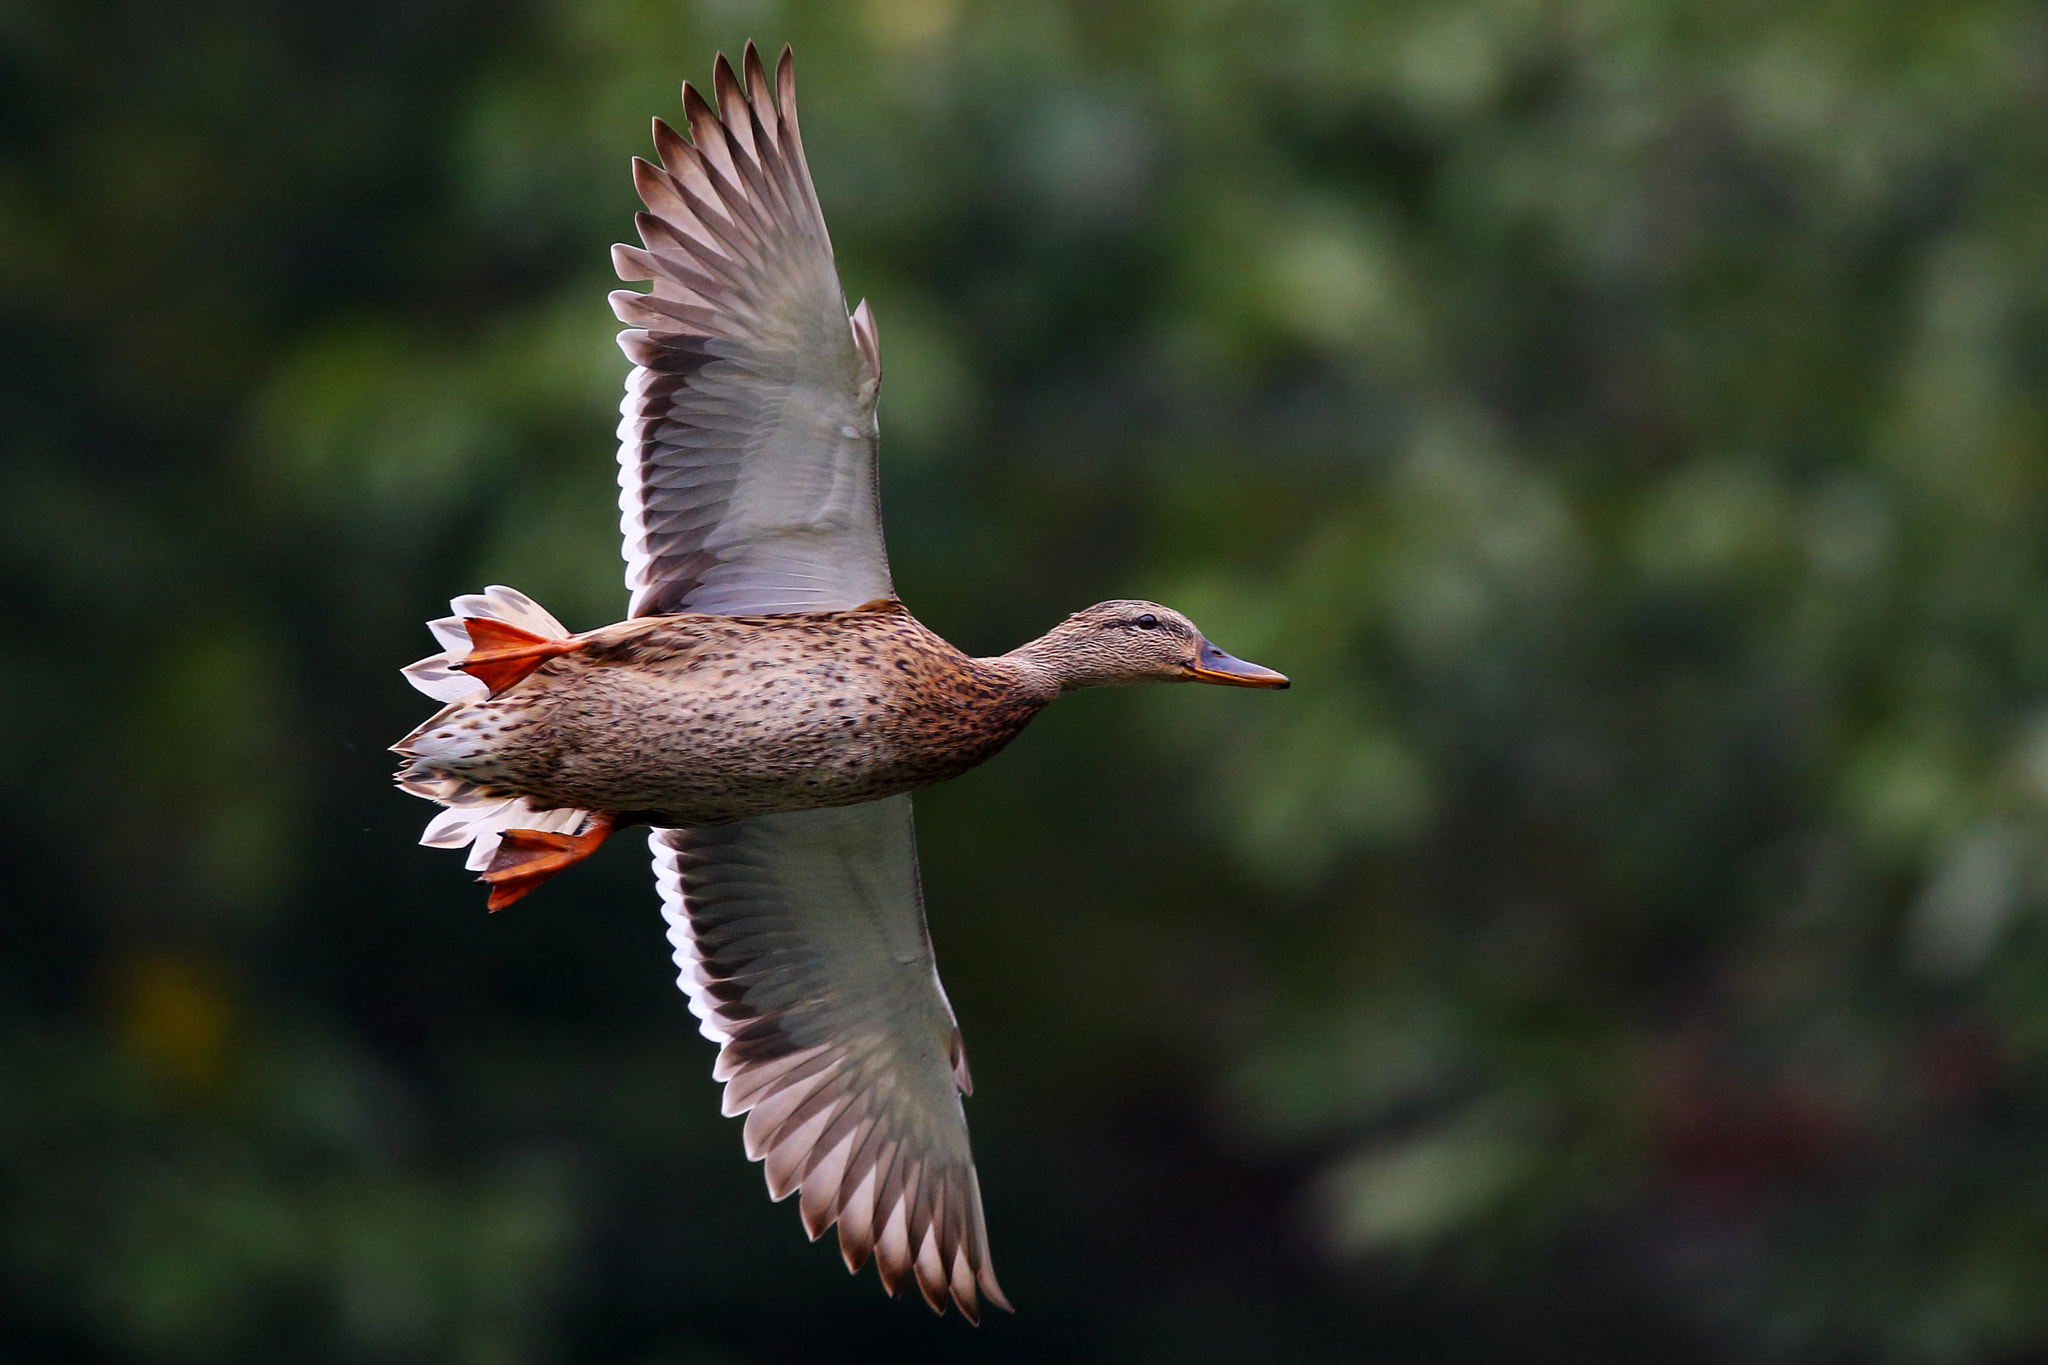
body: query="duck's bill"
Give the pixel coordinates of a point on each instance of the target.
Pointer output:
(1212, 665)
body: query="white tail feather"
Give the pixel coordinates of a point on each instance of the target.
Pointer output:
(483, 824)
(477, 816)
(436, 674)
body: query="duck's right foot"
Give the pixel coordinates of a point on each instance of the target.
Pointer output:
(528, 857)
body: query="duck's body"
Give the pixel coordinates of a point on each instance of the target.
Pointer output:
(698, 720)
(769, 703)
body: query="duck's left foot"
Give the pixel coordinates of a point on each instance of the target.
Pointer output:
(502, 654)
(528, 857)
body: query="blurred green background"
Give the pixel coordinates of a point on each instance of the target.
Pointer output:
(1626, 421)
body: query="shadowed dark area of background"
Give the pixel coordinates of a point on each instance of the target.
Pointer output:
(1628, 423)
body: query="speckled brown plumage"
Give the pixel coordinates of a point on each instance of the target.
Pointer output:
(697, 720)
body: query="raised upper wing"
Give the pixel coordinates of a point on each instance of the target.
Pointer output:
(802, 944)
(747, 449)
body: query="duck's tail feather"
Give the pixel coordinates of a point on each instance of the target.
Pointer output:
(478, 814)
(437, 676)
(479, 817)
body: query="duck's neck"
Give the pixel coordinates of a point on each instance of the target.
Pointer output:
(1035, 672)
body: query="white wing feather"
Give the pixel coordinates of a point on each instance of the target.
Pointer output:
(802, 947)
(747, 445)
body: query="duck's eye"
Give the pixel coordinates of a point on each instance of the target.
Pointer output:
(1147, 621)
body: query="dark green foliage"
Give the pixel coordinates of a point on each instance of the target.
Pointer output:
(1625, 422)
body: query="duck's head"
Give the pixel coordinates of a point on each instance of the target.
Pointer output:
(1113, 643)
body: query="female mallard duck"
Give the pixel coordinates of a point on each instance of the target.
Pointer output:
(769, 705)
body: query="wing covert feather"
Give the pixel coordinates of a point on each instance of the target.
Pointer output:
(802, 946)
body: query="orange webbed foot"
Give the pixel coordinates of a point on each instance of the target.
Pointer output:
(501, 655)
(528, 857)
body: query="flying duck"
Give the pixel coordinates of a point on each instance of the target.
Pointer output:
(768, 705)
